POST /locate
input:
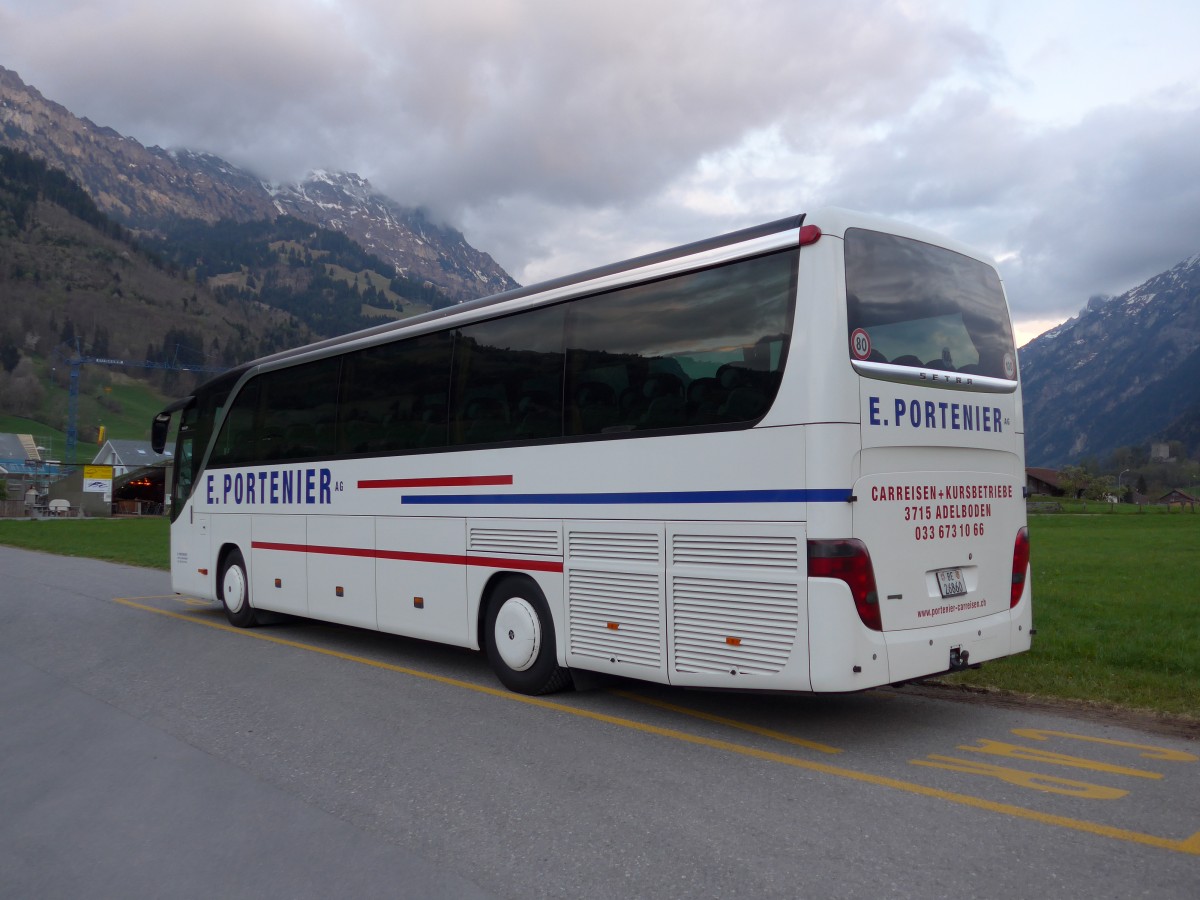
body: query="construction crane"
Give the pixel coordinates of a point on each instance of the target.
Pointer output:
(78, 360)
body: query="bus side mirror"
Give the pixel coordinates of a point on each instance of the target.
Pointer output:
(158, 431)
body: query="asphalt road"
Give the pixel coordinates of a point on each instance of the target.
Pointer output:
(147, 749)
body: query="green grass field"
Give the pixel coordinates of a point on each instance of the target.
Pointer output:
(1116, 602)
(135, 541)
(1116, 599)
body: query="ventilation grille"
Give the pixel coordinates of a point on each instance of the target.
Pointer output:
(617, 546)
(515, 541)
(736, 551)
(743, 626)
(597, 601)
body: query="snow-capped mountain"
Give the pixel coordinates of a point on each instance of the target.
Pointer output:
(145, 188)
(400, 235)
(1124, 370)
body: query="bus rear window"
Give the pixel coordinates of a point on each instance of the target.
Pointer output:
(917, 305)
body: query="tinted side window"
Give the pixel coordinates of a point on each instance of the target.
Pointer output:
(195, 430)
(508, 379)
(705, 348)
(394, 396)
(238, 442)
(186, 460)
(282, 415)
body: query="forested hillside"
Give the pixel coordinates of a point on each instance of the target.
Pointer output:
(323, 278)
(72, 281)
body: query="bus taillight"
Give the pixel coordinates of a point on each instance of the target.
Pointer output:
(1020, 566)
(848, 561)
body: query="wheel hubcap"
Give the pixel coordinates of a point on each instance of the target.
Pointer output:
(234, 589)
(518, 634)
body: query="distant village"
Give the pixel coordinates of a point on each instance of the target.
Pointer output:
(1044, 486)
(127, 478)
(124, 478)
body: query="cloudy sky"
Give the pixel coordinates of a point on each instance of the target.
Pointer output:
(1063, 137)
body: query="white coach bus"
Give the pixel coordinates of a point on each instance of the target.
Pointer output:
(787, 458)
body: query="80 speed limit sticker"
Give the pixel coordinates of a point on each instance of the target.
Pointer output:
(860, 343)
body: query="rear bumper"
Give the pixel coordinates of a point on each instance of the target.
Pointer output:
(917, 652)
(844, 655)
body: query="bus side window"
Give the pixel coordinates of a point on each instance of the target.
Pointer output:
(699, 349)
(508, 379)
(392, 397)
(237, 442)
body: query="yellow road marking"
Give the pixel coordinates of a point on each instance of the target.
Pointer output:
(1036, 754)
(732, 723)
(1190, 845)
(1052, 784)
(1149, 751)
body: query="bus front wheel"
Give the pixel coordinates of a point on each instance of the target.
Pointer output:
(519, 638)
(235, 591)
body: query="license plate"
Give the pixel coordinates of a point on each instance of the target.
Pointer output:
(951, 583)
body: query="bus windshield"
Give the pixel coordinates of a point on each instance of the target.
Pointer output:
(914, 304)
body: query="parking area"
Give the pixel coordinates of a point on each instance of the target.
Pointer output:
(313, 752)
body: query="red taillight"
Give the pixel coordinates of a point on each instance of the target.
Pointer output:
(848, 561)
(809, 234)
(1020, 566)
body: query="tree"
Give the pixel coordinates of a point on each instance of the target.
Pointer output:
(1073, 480)
(100, 342)
(10, 353)
(23, 393)
(1099, 488)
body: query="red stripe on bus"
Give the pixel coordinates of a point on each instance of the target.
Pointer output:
(268, 545)
(529, 565)
(454, 481)
(490, 562)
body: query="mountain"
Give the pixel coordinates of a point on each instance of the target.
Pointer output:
(321, 277)
(72, 280)
(1125, 371)
(149, 189)
(405, 237)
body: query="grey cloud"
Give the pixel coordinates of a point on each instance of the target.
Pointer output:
(460, 103)
(561, 136)
(1127, 207)
(1095, 207)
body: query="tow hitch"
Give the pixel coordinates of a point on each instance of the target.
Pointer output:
(959, 659)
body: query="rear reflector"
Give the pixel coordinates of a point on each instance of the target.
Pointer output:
(848, 561)
(1020, 566)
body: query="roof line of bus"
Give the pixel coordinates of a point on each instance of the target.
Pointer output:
(638, 262)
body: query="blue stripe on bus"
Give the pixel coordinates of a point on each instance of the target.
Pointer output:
(813, 495)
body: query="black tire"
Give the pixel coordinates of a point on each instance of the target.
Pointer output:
(518, 635)
(234, 588)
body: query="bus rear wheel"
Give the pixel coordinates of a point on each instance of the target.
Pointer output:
(235, 591)
(518, 636)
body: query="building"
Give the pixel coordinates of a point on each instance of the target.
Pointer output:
(1160, 451)
(126, 456)
(1176, 497)
(25, 473)
(1043, 481)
